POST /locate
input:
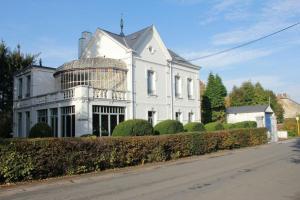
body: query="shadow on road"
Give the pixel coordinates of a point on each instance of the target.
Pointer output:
(296, 146)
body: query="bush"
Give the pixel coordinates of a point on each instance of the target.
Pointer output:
(214, 126)
(133, 127)
(26, 159)
(228, 126)
(194, 126)
(245, 124)
(168, 127)
(290, 124)
(292, 134)
(40, 130)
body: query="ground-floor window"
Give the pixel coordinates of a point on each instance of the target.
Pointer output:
(54, 121)
(68, 121)
(151, 117)
(191, 117)
(178, 116)
(19, 124)
(106, 118)
(27, 123)
(42, 116)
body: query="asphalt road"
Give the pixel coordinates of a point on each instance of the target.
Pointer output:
(266, 172)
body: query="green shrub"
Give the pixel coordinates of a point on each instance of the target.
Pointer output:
(40, 130)
(214, 126)
(290, 124)
(228, 126)
(133, 127)
(88, 136)
(26, 159)
(245, 124)
(168, 127)
(292, 134)
(194, 126)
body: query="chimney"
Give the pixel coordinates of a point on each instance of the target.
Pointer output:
(83, 41)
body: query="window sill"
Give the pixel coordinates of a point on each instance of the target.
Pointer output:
(152, 95)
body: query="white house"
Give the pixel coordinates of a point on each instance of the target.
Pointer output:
(263, 115)
(116, 77)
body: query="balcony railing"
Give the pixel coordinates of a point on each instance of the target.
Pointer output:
(109, 94)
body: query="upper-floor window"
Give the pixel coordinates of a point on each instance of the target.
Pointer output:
(151, 82)
(28, 86)
(42, 115)
(178, 89)
(20, 88)
(190, 88)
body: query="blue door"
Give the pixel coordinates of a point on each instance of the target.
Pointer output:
(268, 121)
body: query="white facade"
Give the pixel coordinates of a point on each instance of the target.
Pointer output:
(151, 73)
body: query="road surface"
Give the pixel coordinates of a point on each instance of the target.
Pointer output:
(266, 172)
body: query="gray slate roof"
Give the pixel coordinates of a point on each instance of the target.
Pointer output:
(130, 40)
(246, 109)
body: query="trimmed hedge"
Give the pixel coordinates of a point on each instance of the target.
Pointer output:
(168, 127)
(245, 124)
(194, 126)
(214, 126)
(133, 127)
(40, 130)
(27, 159)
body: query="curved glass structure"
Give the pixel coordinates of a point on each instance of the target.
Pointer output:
(100, 73)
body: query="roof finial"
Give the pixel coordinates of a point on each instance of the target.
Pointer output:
(122, 25)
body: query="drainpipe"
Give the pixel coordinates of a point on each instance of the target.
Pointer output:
(133, 86)
(171, 87)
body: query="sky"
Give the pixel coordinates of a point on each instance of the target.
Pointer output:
(192, 28)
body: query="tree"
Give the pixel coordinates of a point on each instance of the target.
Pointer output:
(255, 94)
(213, 103)
(10, 63)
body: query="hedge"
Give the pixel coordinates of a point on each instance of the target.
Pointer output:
(168, 127)
(133, 127)
(245, 124)
(194, 126)
(290, 124)
(214, 126)
(27, 159)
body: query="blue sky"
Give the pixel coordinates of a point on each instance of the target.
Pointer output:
(190, 27)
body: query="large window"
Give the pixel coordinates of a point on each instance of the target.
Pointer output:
(151, 82)
(178, 87)
(42, 115)
(54, 121)
(190, 88)
(68, 121)
(20, 88)
(20, 123)
(27, 123)
(28, 86)
(151, 117)
(106, 118)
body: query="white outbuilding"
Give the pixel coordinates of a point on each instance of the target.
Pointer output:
(263, 115)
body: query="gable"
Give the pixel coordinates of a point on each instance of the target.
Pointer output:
(150, 47)
(103, 45)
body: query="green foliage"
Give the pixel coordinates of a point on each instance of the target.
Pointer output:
(168, 127)
(250, 94)
(133, 127)
(292, 134)
(214, 126)
(245, 124)
(228, 126)
(26, 159)
(194, 126)
(290, 124)
(40, 130)
(10, 63)
(213, 103)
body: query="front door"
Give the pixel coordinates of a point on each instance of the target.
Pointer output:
(268, 121)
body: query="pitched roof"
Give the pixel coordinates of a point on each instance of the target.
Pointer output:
(247, 109)
(130, 40)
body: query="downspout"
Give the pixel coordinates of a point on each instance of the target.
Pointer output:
(133, 86)
(171, 87)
